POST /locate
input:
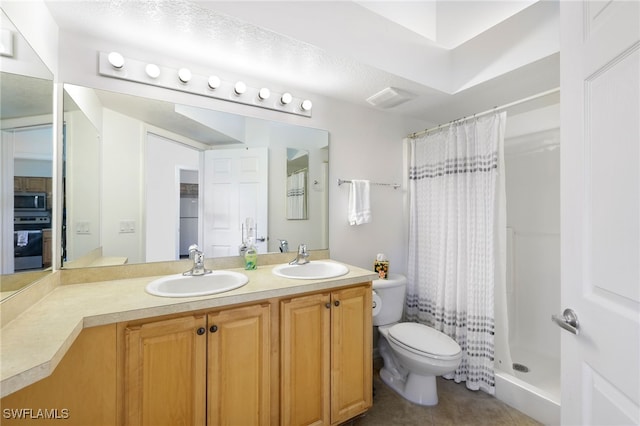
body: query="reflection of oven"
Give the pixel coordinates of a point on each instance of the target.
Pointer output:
(27, 249)
(27, 240)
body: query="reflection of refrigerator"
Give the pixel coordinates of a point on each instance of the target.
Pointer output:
(188, 224)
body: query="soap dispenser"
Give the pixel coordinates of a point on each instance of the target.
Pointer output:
(250, 251)
(250, 255)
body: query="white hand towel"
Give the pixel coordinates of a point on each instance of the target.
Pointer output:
(23, 238)
(359, 206)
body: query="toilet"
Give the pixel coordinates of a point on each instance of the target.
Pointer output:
(413, 354)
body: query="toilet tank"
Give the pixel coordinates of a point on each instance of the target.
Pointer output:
(390, 295)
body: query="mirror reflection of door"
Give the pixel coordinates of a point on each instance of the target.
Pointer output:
(297, 172)
(28, 176)
(236, 186)
(188, 228)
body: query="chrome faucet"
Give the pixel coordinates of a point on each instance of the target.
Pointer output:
(303, 256)
(284, 246)
(198, 268)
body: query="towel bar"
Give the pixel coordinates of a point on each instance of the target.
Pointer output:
(395, 185)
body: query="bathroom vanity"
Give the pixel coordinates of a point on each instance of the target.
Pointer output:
(275, 351)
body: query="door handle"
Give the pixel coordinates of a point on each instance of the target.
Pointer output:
(568, 321)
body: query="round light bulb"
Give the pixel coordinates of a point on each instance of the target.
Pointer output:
(286, 98)
(306, 105)
(116, 60)
(152, 70)
(264, 93)
(214, 82)
(240, 88)
(184, 75)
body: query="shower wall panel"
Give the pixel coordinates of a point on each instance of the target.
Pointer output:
(533, 219)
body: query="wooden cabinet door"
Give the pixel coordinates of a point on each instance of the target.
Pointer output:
(81, 391)
(49, 191)
(239, 347)
(165, 372)
(351, 353)
(35, 184)
(31, 184)
(19, 184)
(305, 358)
(46, 248)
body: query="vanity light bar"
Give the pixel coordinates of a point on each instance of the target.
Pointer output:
(113, 64)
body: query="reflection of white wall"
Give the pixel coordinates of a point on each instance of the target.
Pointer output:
(37, 26)
(310, 231)
(163, 160)
(122, 187)
(127, 193)
(6, 203)
(83, 195)
(33, 151)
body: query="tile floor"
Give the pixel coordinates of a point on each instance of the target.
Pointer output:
(457, 406)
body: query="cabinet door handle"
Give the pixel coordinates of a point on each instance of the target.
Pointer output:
(327, 305)
(337, 303)
(213, 328)
(201, 331)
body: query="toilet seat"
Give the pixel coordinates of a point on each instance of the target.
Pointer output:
(424, 341)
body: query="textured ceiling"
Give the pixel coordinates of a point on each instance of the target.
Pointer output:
(22, 96)
(343, 49)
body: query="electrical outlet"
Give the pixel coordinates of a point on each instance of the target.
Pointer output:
(127, 226)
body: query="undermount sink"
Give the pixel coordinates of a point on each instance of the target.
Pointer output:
(314, 270)
(190, 286)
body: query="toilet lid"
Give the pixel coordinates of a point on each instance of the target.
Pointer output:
(424, 339)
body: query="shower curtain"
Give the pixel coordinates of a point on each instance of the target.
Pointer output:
(455, 209)
(296, 195)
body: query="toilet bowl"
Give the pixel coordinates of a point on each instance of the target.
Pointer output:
(414, 354)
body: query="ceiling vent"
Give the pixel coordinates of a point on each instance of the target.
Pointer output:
(389, 97)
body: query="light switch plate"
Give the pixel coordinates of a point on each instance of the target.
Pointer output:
(127, 226)
(83, 227)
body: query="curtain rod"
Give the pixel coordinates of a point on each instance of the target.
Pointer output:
(489, 111)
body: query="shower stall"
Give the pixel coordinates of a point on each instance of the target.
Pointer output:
(527, 358)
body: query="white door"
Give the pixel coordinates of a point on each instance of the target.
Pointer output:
(236, 182)
(600, 190)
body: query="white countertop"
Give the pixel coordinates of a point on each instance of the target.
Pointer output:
(32, 345)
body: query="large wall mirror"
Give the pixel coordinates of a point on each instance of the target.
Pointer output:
(26, 167)
(145, 178)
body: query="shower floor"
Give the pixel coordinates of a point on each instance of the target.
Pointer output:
(544, 371)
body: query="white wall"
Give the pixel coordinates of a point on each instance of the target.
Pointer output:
(36, 25)
(365, 143)
(368, 145)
